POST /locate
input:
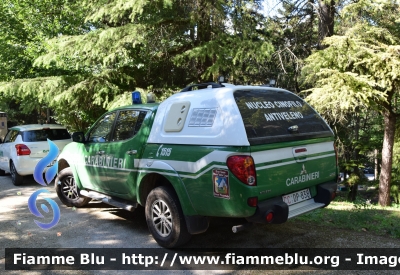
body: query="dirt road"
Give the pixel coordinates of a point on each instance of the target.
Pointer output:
(100, 226)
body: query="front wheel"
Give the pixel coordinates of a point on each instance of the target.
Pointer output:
(165, 218)
(67, 191)
(16, 178)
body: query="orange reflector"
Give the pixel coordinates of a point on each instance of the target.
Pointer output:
(269, 216)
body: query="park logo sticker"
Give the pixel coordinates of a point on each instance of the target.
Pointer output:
(220, 179)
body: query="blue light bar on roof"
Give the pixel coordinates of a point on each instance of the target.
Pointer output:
(136, 98)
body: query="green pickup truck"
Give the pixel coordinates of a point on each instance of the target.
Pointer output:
(212, 150)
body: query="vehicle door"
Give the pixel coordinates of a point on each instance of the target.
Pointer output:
(93, 173)
(6, 149)
(124, 152)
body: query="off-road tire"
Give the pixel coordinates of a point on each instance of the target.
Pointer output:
(67, 191)
(165, 218)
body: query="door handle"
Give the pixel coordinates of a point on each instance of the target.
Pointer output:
(131, 152)
(101, 152)
(293, 128)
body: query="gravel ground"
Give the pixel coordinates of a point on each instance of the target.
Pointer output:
(100, 226)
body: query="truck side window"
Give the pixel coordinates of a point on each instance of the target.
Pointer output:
(124, 127)
(101, 132)
(128, 124)
(140, 120)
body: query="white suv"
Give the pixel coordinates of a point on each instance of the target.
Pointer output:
(24, 146)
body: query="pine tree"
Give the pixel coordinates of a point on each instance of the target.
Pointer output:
(158, 45)
(360, 70)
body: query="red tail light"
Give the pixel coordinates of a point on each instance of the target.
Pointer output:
(243, 168)
(22, 150)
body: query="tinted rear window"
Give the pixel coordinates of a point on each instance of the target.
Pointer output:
(272, 116)
(44, 134)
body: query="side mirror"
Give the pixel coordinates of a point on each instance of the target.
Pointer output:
(78, 137)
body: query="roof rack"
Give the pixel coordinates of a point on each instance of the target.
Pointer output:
(202, 86)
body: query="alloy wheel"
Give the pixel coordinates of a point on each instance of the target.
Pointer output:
(161, 217)
(69, 189)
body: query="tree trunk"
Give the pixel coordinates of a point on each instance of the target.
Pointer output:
(376, 164)
(387, 158)
(204, 30)
(326, 19)
(356, 156)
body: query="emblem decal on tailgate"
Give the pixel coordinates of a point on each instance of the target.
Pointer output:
(303, 177)
(220, 179)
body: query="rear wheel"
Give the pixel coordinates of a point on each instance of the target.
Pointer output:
(165, 218)
(67, 190)
(2, 172)
(16, 178)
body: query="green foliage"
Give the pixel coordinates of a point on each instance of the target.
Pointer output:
(357, 138)
(395, 192)
(242, 58)
(383, 13)
(24, 28)
(136, 38)
(96, 49)
(353, 179)
(360, 68)
(358, 216)
(362, 204)
(395, 187)
(73, 106)
(355, 71)
(84, 57)
(295, 34)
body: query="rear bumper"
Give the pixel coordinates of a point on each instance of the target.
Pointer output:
(25, 165)
(282, 212)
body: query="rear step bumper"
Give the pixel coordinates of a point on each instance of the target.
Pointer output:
(130, 206)
(303, 207)
(282, 212)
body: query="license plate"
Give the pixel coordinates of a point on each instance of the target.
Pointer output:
(296, 197)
